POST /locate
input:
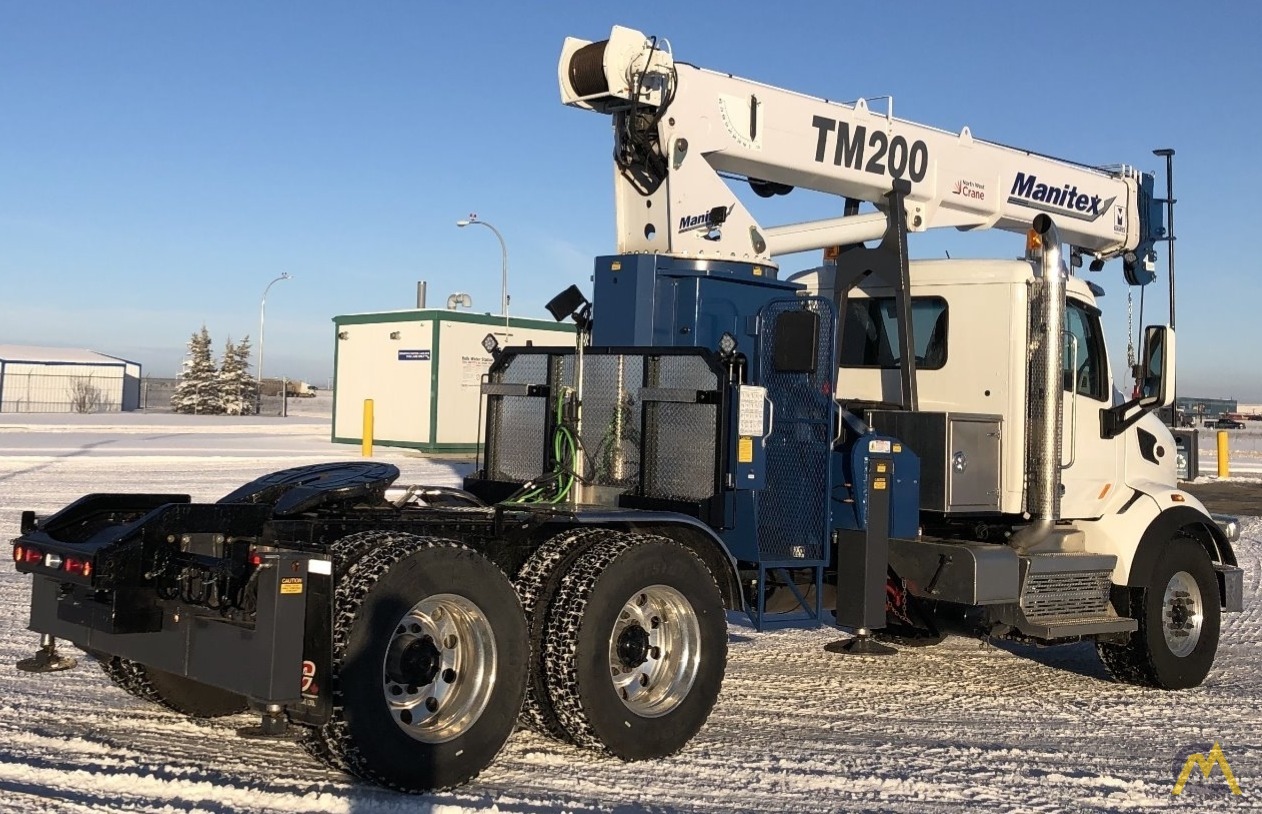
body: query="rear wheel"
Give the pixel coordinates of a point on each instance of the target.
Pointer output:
(537, 584)
(429, 658)
(1178, 614)
(345, 552)
(126, 675)
(192, 698)
(175, 692)
(637, 647)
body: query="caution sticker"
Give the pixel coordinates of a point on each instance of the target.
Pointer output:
(745, 450)
(291, 585)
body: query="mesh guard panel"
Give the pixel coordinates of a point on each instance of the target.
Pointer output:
(516, 424)
(629, 442)
(793, 508)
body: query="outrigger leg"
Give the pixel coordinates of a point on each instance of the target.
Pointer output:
(46, 659)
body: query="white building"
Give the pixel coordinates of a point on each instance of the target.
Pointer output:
(66, 380)
(423, 371)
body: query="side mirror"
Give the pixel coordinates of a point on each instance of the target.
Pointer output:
(1156, 368)
(1154, 377)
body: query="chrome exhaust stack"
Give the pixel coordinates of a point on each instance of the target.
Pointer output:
(1045, 393)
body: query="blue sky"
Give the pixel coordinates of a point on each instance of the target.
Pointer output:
(161, 162)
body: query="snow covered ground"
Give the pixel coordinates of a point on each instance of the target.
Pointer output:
(954, 727)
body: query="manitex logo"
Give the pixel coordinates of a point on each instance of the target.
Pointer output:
(705, 220)
(1066, 200)
(1189, 760)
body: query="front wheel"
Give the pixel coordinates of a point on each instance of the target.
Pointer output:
(1178, 614)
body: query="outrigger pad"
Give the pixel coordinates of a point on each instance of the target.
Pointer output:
(293, 491)
(859, 646)
(47, 660)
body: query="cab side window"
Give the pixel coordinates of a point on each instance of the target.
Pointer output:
(1086, 372)
(870, 334)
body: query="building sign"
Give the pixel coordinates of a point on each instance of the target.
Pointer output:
(414, 356)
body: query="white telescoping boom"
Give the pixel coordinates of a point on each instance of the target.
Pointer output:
(680, 129)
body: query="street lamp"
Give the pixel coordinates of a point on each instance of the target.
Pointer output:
(258, 396)
(472, 219)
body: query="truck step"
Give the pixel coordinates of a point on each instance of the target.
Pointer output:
(1068, 627)
(1066, 586)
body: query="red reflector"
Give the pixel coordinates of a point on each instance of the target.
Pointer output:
(256, 558)
(30, 555)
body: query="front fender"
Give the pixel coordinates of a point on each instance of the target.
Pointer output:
(1137, 534)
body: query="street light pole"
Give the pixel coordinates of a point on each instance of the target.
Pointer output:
(258, 396)
(473, 218)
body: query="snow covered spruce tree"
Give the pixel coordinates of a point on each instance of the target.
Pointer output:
(237, 389)
(197, 390)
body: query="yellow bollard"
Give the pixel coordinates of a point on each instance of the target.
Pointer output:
(1222, 454)
(367, 440)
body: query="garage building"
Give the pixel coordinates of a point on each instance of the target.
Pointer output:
(66, 380)
(423, 370)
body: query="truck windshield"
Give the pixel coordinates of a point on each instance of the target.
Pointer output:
(870, 333)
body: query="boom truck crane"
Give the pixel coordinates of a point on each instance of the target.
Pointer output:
(903, 449)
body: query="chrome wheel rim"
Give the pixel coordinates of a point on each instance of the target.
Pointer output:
(1182, 614)
(654, 650)
(439, 668)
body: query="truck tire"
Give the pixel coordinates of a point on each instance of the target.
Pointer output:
(126, 675)
(1178, 614)
(345, 552)
(537, 583)
(428, 669)
(192, 698)
(175, 692)
(636, 647)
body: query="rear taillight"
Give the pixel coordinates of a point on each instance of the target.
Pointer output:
(75, 565)
(30, 556)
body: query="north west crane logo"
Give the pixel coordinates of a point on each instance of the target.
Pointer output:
(1186, 762)
(1066, 200)
(969, 189)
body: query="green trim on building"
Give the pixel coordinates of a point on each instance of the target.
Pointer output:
(442, 314)
(419, 445)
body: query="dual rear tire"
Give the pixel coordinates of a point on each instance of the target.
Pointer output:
(631, 643)
(618, 643)
(429, 664)
(175, 692)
